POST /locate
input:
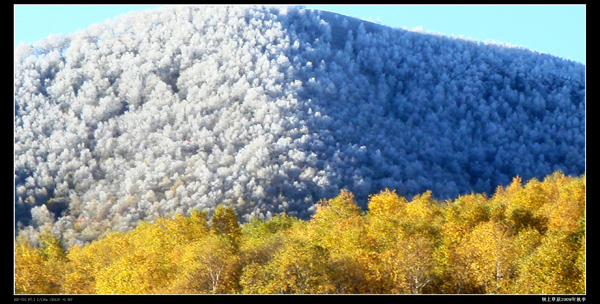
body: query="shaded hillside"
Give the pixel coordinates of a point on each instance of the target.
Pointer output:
(270, 109)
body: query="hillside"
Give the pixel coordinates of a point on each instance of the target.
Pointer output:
(269, 109)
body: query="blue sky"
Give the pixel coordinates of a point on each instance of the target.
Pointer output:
(555, 29)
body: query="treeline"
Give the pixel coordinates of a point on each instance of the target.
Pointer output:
(525, 238)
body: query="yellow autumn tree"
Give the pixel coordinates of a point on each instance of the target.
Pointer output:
(263, 238)
(470, 210)
(552, 268)
(40, 270)
(263, 250)
(422, 214)
(489, 256)
(580, 265)
(257, 279)
(300, 267)
(182, 229)
(55, 259)
(557, 264)
(408, 266)
(524, 204)
(386, 203)
(339, 227)
(224, 224)
(138, 262)
(86, 262)
(404, 233)
(453, 256)
(384, 218)
(31, 275)
(450, 267)
(333, 218)
(142, 265)
(126, 276)
(80, 272)
(207, 265)
(567, 205)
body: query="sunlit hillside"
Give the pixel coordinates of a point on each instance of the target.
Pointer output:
(270, 109)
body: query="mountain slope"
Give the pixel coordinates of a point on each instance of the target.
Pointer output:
(269, 109)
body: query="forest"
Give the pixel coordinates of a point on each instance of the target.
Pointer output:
(525, 238)
(270, 109)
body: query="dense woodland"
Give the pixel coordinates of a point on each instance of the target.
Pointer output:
(268, 110)
(525, 238)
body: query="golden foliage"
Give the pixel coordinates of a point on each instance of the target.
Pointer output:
(39, 270)
(526, 238)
